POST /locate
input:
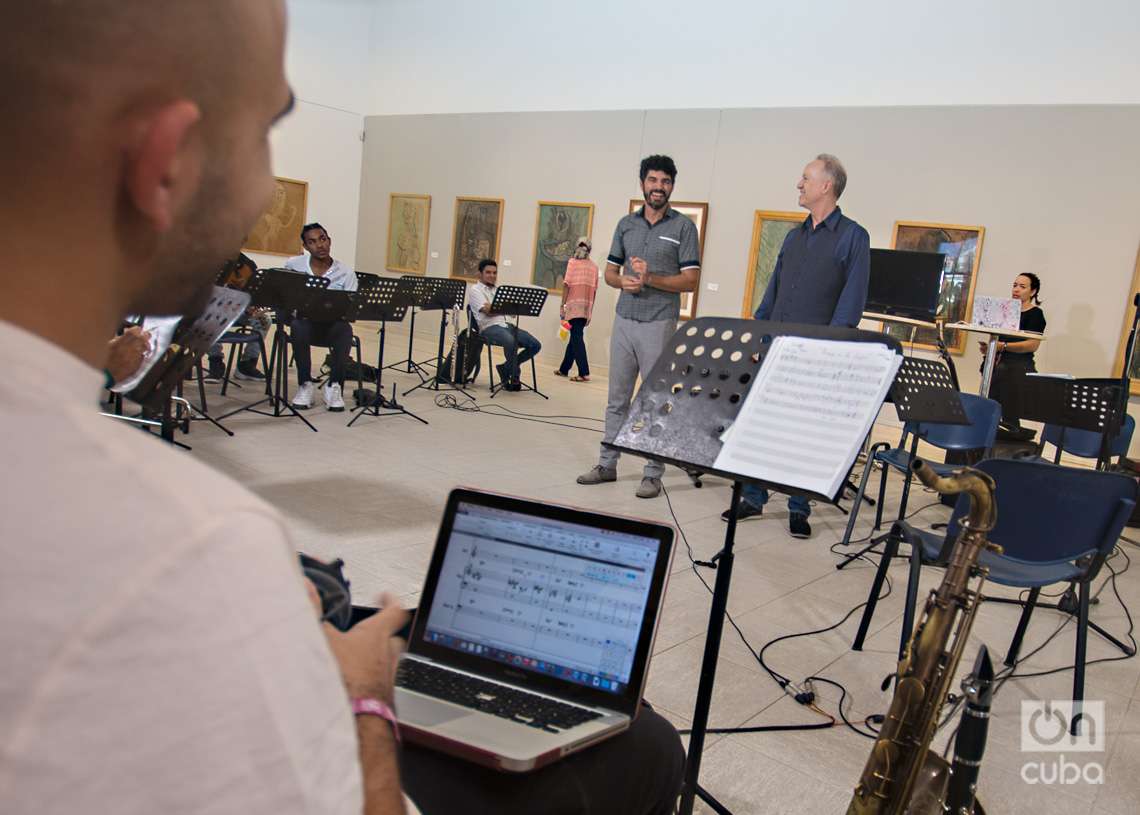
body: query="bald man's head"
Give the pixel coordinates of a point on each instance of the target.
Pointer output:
(143, 133)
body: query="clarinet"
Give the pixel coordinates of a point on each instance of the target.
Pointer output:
(970, 743)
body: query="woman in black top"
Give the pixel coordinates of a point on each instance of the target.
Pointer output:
(1015, 356)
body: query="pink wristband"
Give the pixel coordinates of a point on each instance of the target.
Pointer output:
(374, 707)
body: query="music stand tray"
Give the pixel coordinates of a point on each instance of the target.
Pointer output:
(517, 302)
(387, 300)
(443, 294)
(678, 416)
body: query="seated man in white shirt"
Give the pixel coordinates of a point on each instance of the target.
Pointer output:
(493, 328)
(335, 335)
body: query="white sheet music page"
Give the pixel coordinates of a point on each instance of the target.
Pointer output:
(808, 411)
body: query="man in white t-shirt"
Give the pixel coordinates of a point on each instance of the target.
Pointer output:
(518, 345)
(158, 657)
(336, 335)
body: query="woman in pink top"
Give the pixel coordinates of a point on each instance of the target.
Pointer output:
(579, 288)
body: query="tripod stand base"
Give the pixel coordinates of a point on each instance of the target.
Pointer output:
(380, 406)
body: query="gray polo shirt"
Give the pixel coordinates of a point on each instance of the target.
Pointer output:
(668, 247)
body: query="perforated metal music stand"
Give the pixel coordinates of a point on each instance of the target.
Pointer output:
(192, 338)
(693, 393)
(1096, 405)
(388, 299)
(518, 301)
(443, 294)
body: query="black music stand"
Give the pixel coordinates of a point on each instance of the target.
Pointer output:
(443, 294)
(923, 391)
(420, 291)
(1096, 405)
(386, 300)
(517, 302)
(192, 338)
(677, 417)
(288, 293)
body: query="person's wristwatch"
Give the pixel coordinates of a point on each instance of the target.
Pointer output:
(374, 707)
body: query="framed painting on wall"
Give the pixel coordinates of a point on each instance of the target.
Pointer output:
(769, 228)
(476, 234)
(698, 213)
(278, 231)
(557, 228)
(1134, 363)
(962, 246)
(409, 216)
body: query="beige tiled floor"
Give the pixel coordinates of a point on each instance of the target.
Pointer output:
(372, 494)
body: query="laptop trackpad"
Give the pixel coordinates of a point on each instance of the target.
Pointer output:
(417, 710)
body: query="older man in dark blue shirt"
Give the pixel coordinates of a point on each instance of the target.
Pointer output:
(820, 279)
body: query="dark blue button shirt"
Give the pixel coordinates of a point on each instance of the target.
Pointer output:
(821, 274)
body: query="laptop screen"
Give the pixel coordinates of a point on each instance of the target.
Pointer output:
(542, 594)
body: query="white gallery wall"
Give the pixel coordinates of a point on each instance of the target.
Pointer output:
(328, 61)
(458, 56)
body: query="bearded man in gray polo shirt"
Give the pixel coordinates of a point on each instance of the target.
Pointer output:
(654, 257)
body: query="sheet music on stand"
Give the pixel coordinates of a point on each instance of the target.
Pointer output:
(806, 415)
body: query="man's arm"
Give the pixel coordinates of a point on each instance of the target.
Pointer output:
(764, 311)
(613, 275)
(368, 654)
(853, 298)
(687, 280)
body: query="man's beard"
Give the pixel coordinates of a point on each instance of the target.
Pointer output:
(649, 201)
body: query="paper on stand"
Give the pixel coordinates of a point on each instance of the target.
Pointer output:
(808, 411)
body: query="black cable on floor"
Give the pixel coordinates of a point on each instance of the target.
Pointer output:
(447, 400)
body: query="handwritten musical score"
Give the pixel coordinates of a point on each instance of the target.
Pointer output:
(808, 411)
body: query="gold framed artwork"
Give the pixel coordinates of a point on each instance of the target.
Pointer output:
(769, 228)
(698, 213)
(278, 230)
(409, 216)
(1134, 366)
(557, 228)
(476, 234)
(962, 246)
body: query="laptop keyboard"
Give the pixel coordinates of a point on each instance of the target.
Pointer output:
(489, 697)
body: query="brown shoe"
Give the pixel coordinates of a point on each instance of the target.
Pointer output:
(598, 475)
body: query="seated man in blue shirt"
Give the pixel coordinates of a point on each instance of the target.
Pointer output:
(820, 278)
(518, 345)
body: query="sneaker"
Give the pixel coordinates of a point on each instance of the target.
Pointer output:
(304, 398)
(798, 525)
(649, 487)
(217, 370)
(745, 512)
(504, 379)
(334, 400)
(513, 385)
(248, 370)
(598, 475)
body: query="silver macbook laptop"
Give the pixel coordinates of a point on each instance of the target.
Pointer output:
(534, 630)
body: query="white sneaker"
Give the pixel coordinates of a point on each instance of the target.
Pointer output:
(304, 398)
(334, 401)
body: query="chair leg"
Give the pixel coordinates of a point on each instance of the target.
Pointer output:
(1079, 663)
(889, 551)
(911, 597)
(1022, 625)
(490, 367)
(229, 367)
(882, 493)
(359, 364)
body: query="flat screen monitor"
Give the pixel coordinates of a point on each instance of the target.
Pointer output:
(904, 283)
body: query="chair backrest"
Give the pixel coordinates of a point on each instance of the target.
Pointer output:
(1086, 443)
(983, 414)
(1047, 513)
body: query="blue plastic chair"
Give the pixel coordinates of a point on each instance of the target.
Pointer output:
(1086, 443)
(983, 414)
(1054, 524)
